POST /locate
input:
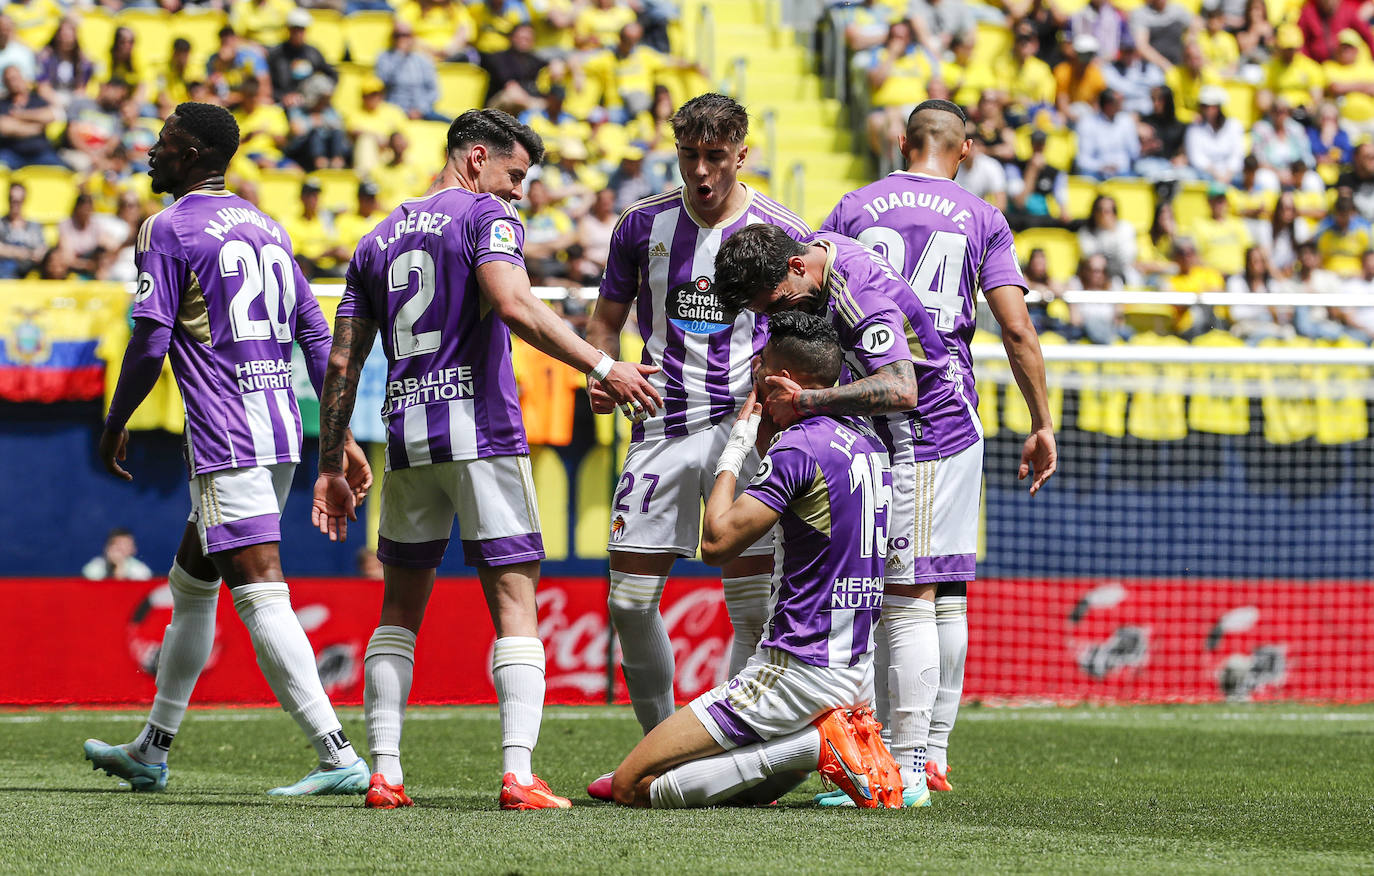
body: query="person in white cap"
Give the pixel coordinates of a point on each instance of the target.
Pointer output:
(1079, 80)
(294, 61)
(1214, 144)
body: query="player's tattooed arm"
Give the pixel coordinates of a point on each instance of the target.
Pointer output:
(353, 337)
(890, 389)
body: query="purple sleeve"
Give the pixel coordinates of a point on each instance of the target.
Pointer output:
(1000, 267)
(140, 371)
(312, 333)
(161, 279)
(834, 222)
(498, 236)
(356, 302)
(870, 324)
(785, 473)
(621, 280)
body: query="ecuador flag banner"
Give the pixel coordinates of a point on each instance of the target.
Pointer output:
(49, 333)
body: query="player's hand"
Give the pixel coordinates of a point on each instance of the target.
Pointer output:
(627, 385)
(750, 407)
(601, 402)
(114, 447)
(784, 394)
(357, 471)
(333, 505)
(1041, 455)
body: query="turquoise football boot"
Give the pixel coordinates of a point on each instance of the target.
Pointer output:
(319, 782)
(116, 761)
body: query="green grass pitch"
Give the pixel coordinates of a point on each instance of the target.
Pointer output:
(1226, 789)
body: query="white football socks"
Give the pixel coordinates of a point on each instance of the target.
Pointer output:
(913, 679)
(185, 649)
(288, 663)
(746, 601)
(711, 780)
(646, 652)
(388, 668)
(951, 623)
(517, 669)
(882, 663)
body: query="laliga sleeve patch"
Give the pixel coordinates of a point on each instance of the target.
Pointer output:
(145, 287)
(877, 339)
(502, 237)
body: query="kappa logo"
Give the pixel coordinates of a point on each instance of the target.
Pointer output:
(658, 251)
(503, 236)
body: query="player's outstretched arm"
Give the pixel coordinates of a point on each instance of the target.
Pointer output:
(603, 332)
(1040, 454)
(137, 376)
(507, 287)
(731, 525)
(889, 390)
(335, 499)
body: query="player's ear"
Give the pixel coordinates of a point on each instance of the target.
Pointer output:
(964, 150)
(796, 265)
(901, 144)
(739, 159)
(477, 155)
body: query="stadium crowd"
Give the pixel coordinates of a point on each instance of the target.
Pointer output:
(1161, 145)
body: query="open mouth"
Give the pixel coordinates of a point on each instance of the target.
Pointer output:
(703, 191)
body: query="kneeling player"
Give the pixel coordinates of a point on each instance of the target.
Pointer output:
(825, 484)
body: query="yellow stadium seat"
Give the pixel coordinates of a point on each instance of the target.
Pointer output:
(427, 141)
(368, 35)
(1135, 200)
(95, 32)
(326, 33)
(1082, 193)
(37, 34)
(348, 91)
(993, 41)
(461, 87)
(52, 192)
(1060, 147)
(152, 34)
(1190, 204)
(338, 189)
(279, 192)
(1240, 102)
(201, 29)
(1060, 246)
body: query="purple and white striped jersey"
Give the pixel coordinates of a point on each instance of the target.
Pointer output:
(831, 481)
(946, 241)
(451, 390)
(222, 275)
(665, 256)
(880, 321)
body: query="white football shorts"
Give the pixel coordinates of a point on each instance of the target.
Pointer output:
(776, 694)
(933, 529)
(498, 514)
(238, 507)
(656, 507)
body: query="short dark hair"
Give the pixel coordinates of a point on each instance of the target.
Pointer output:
(711, 118)
(117, 532)
(495, 129)
(807, 344)
(928, 127)
(213, 127)
(181, 44)
(750, 261)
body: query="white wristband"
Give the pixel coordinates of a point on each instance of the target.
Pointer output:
(602, 369)
(737, 448)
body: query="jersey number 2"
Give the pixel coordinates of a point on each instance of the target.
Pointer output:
(405, 341)
(937, 274)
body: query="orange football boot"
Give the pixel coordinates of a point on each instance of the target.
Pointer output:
(535, 795)
(870, 734)
(383, 795)
(842, 760)
(936, 780)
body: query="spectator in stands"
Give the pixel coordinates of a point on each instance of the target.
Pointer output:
(1218, 45)
(1215, 145)
(1321, 22)
(628, 72)
(400, 177)
(443, 28)
(1309, 276)
(1350, 80)
(1049, 314)
(263, 128)
(1257, 322)
(1156, 256)
(317, 135)
(938, 22)
(991, 129)
(293, 62)
(1290, 73)
(171, 84)
(260, 22)
(1105, 22)
(554, 123)
(1100, 322)
(1108, 140)
(63, 69)
(1194, 275)
(513, 72)
(1358, 180)
(1159, 28)
(21, 240)
(1256, 38)
(367, 212)
(1331, 145)
(1037, 273)
(1360, 318)
(1161, 140)
(629, 181)
(1106, 234)
(570, 183)
(126, 63)
(1282, 234)
(1279, 141)
(1187, 79)
(1343, 238)
(80, 240)
(54, 265)
(594, 237)
(549, 235)
(370, 124)
(653, 131)
(897, 82)
(1222, 237)
(117, 561)
(319, 251)
(13, 52)
(1037, 192)
(1253, 190)
(24, 118)
(493, 21)
(120, 232)
(598, 25)
(1231, 12)
(867, 25)
(232, 65)
(1026, 79)
(93, 126)
(409, 75)
(1133, 77)
(1078, 80)
(983, 175)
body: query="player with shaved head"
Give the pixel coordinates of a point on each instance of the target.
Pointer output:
(949, 245)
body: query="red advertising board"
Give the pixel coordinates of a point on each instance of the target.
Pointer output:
(95, 643)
